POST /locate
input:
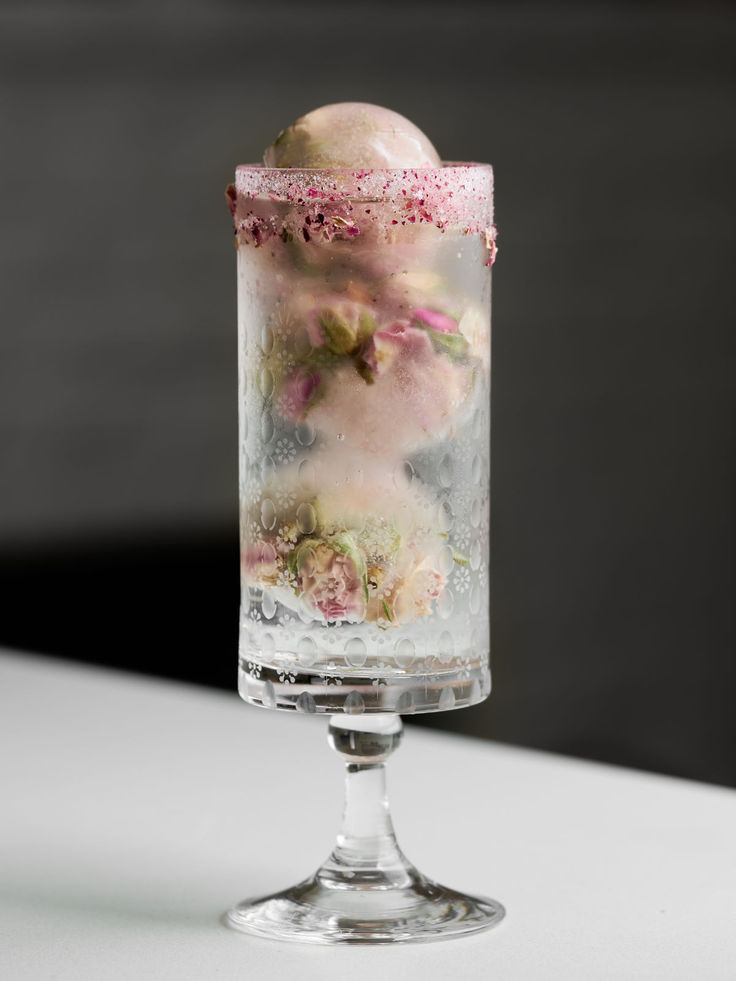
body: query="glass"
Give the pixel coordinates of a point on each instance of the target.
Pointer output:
(364, 406)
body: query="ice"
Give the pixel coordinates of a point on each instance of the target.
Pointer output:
(352, 135)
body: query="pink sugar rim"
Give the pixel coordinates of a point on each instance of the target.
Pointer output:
(446, 165)
(452, 169)
(457, 193)
(455, 184)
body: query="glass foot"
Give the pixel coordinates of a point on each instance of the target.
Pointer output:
(367, 891)
(313, 912)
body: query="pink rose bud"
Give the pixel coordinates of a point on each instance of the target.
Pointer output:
(437, 321)
(331, 583)
(400, 339)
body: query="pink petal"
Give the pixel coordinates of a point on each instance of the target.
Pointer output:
(437, 321)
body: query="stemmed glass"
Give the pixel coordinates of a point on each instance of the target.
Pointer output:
(364, 406)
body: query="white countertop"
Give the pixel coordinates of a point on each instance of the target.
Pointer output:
(135, 811)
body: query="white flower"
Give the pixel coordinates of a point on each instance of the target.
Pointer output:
(287, 538)
(462, 539)
(285, 497)
(286, 578)
(283, 322)
(284, 451)
(461, 579)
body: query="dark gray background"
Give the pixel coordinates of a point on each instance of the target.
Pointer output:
(611, 131)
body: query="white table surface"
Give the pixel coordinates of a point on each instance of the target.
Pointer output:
(135, 811)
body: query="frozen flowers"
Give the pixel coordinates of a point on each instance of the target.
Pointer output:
(370, 555)
(356, 367)
(414, 596)
(330, 576)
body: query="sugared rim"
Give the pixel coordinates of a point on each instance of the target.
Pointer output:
(457, 194)
(446, 165)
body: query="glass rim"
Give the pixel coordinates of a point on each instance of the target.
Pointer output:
(456, 193)
(447, 165)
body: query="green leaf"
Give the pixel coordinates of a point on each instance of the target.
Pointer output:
(364, 370)
(366, 326)
(457, 557)
(364, 580)
(291, 562)
(454, 346)
(387, 612)
(340, 335)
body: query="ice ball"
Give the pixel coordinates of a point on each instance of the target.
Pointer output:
(354, 136)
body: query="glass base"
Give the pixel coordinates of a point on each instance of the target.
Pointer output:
(355, 693)
(367, 891)
(315, 912)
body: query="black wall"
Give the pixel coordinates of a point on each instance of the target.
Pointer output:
(611, 131)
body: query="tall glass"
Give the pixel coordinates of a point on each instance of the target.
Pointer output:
(364, 398)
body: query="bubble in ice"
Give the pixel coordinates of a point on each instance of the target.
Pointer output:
(352, 135)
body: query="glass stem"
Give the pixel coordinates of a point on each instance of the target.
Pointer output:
(366, 853)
